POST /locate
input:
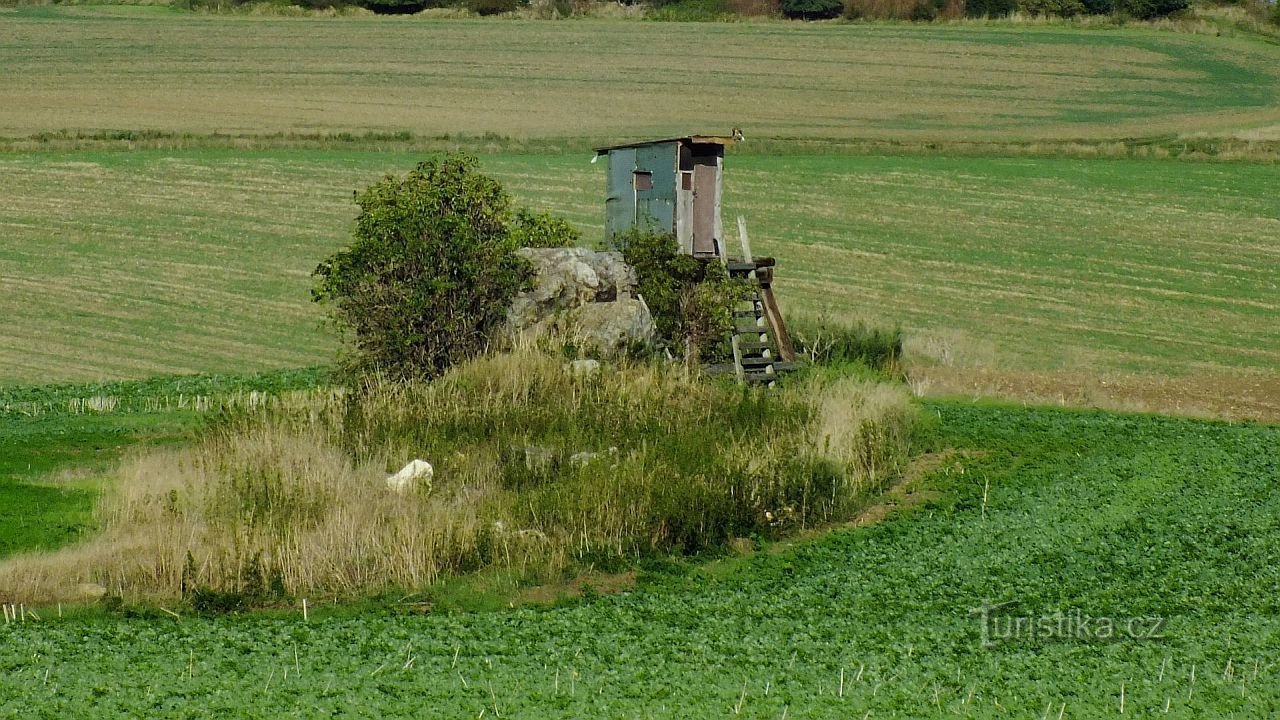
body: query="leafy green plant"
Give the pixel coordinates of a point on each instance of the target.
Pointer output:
(1150, 9)
(542, 230)
(691, 300)
(431, 271)
(492, 7)
(1055, 8)
(689, 10)
(812, 9)
(989, 8)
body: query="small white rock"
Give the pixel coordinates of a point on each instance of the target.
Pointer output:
(416, 472)
(582, 368)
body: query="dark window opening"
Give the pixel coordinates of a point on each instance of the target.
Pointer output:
(643, 180)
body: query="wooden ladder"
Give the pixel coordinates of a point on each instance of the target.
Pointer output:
(761, 346)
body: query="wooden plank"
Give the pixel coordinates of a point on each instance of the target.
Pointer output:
(774, 313)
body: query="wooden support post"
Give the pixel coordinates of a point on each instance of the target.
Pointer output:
(733, 337)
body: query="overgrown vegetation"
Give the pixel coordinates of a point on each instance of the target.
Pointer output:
(538, 471)
(828, 341)
(432, 270)
(691, 300)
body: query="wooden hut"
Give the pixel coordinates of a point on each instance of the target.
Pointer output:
(674, 185)
(670, 185)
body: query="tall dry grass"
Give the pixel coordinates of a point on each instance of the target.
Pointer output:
(538, 470)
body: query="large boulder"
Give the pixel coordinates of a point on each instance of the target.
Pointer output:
(589, 294)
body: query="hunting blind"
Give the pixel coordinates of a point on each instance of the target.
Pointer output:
(674, 185)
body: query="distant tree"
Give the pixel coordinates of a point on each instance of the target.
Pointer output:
(989, 8)
(431, 271)
(812, 9)
(1150, 9)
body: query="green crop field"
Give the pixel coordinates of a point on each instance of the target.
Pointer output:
(1142, 606)
(154, 69)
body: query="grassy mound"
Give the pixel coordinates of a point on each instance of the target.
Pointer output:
(538, 471)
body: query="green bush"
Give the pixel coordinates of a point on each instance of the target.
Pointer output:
(395, 7)
(1054, 8)
(1150, 9)
(492, 7)
(430, 274)
(989, 8)
(812, 9)
(691, 300)
(542, 230)
(1275, 13)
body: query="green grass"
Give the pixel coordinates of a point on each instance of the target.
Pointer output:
(1062, 512)
(198, 261)
(152, 69)
(58, 443)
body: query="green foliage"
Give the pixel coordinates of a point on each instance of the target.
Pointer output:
(431, 271)
(396, 7)
(542, 230)
(1150, 9)
(492, 7)
(689, 10)
(691, 300)
(812, 9)
(989, 8)
(1056, 8)
(1138, 9)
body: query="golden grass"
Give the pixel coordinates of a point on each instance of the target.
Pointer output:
(294, 495)
(77, 68)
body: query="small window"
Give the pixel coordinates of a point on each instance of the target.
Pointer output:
(643, 180)
(686, 180)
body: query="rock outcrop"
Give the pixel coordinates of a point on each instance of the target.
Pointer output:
(588, 294)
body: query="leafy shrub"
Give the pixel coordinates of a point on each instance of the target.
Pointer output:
(812, 9)
(919, 10)
(1150, 9)
(691, 300)
(1055, 8)
(542, 230)
(492, 7)
(430, 274)
(989, 8)
(395, 7)
(1275, 13)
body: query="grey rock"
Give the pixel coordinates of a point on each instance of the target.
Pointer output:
(589, 294)
(583, 368)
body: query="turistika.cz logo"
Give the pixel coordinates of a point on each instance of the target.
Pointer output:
(999, 626)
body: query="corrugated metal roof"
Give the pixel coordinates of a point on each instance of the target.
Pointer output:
(695, 139)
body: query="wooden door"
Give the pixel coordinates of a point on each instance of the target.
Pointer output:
(705, 210)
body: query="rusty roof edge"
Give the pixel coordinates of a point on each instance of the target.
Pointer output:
(696, 139)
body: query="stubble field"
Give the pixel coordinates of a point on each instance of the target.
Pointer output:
(154, 69)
